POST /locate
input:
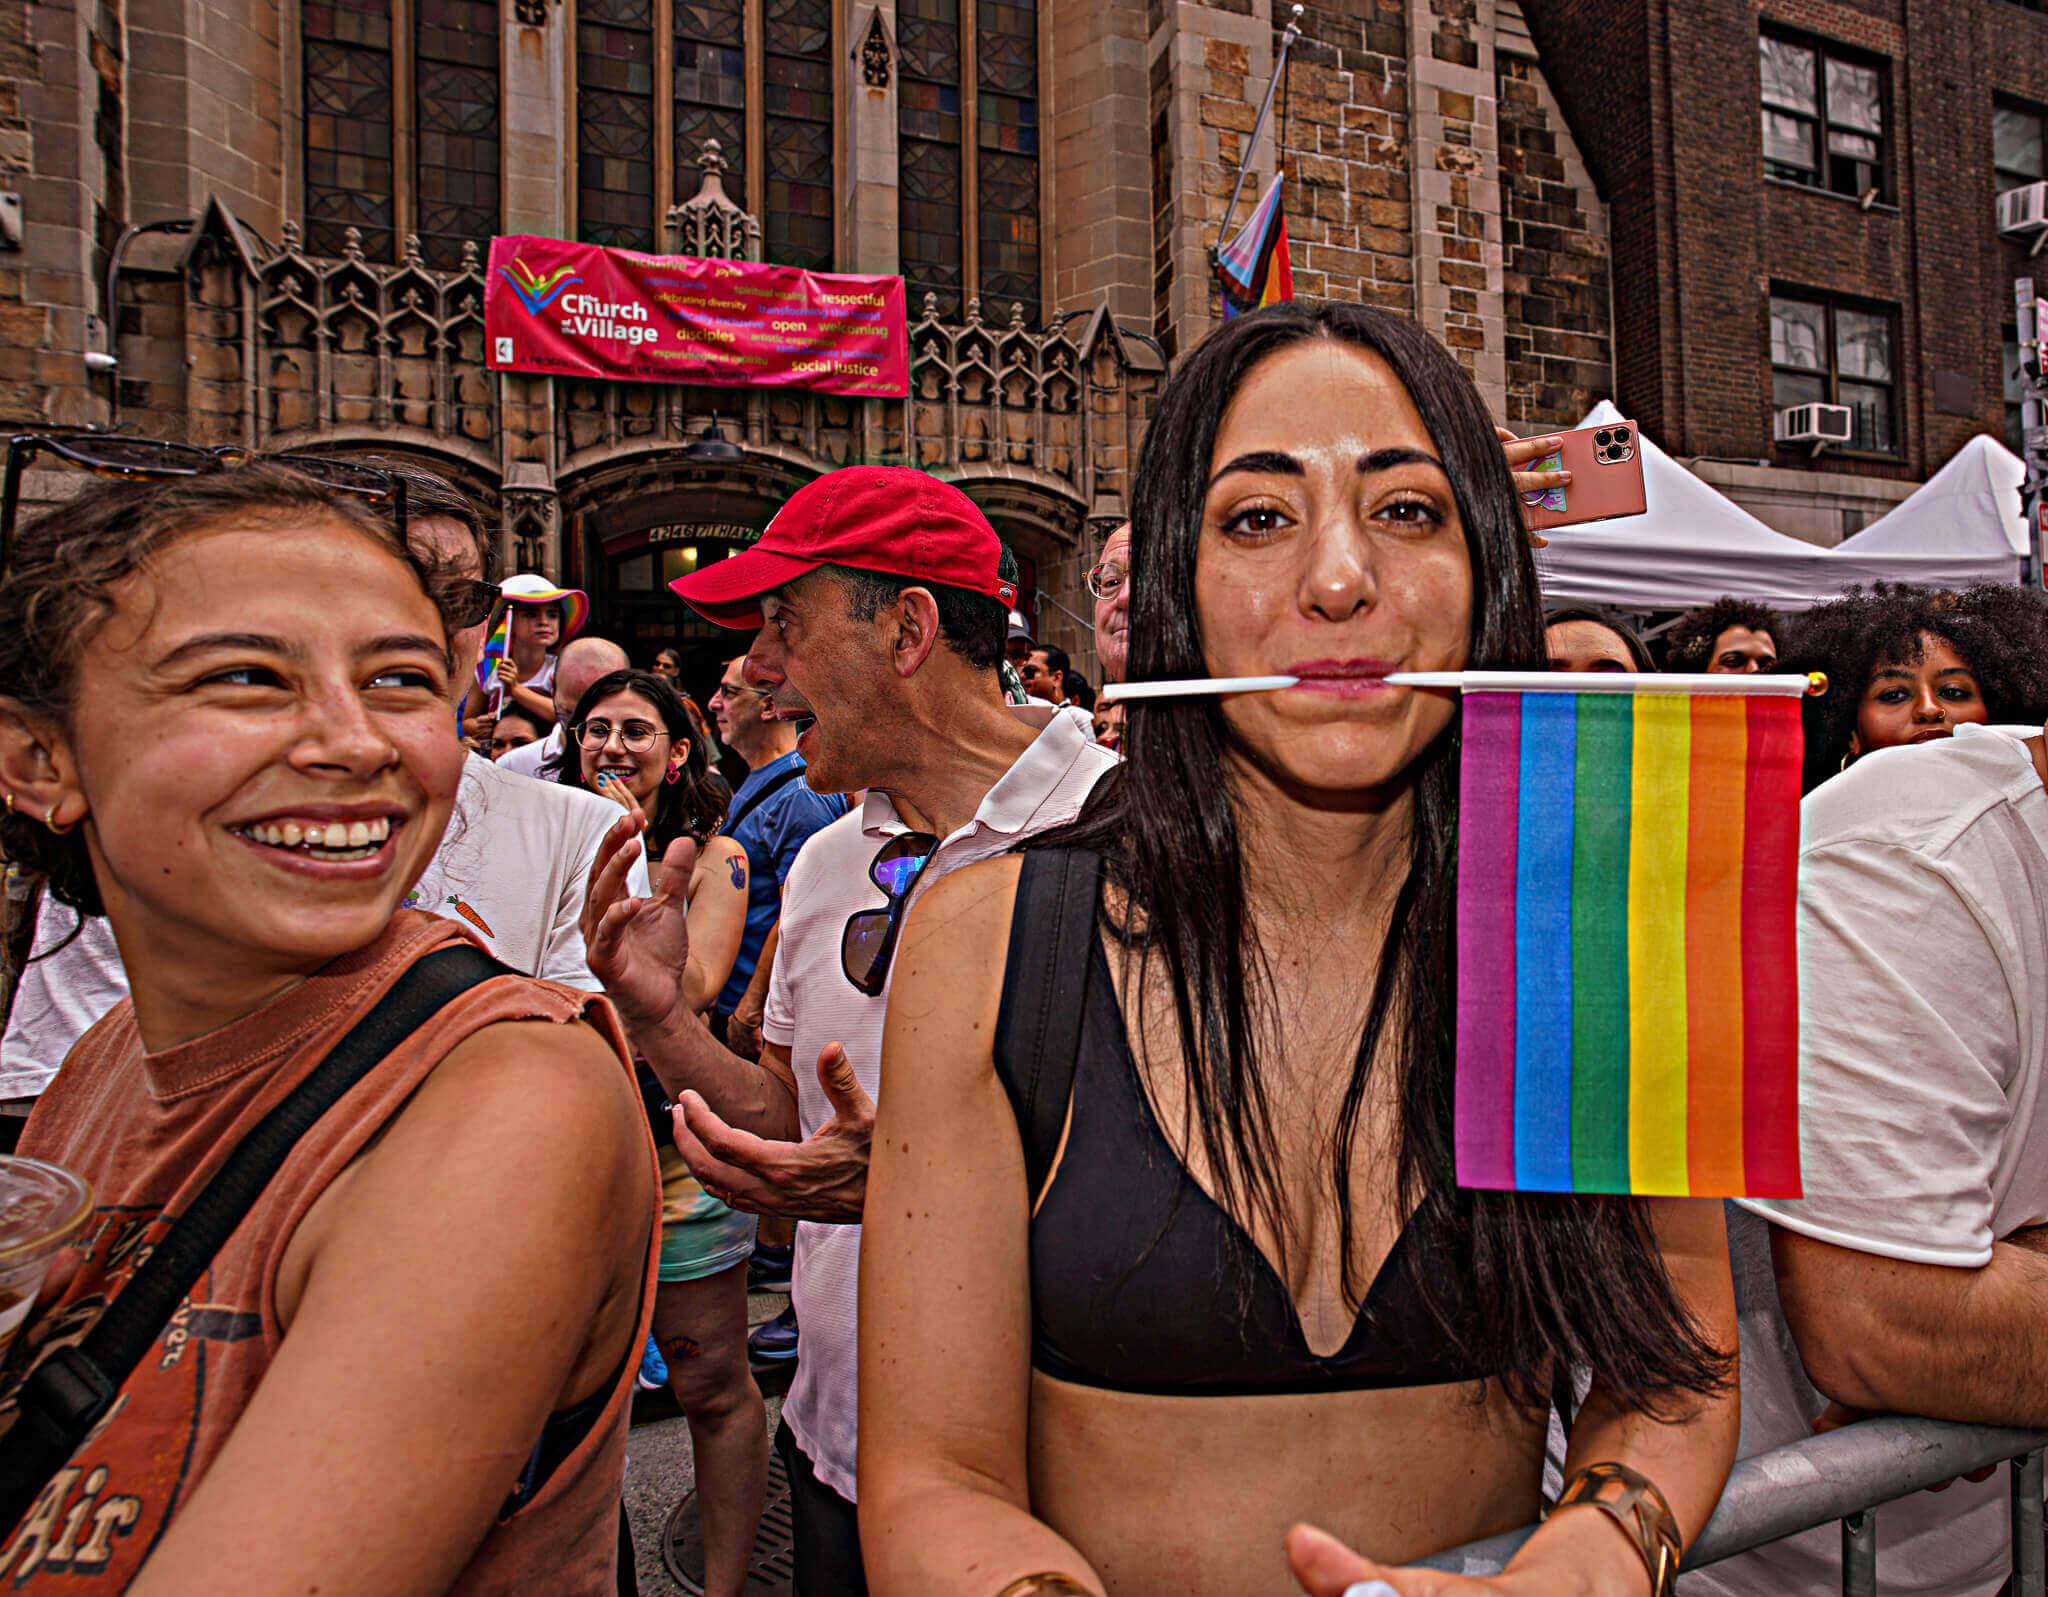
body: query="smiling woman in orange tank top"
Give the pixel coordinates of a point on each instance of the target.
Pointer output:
(225, 724)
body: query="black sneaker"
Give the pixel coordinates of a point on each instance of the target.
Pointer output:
(768, 1270)
(775, 1342)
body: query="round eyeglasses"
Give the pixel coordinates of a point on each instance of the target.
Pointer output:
(1106, 581)
(637, 736)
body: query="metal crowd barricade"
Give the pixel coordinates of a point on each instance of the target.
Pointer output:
(1846, 1475)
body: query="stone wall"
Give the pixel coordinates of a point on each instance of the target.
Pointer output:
(1555, 288)
(1345, 142)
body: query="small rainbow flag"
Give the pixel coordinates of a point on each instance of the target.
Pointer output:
(496, 647)
(1253, 267)
(1628, 990)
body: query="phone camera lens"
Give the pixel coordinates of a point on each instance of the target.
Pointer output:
(1603, 438)
(1621, 435)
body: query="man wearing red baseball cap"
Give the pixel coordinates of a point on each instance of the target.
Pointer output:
(884, 610)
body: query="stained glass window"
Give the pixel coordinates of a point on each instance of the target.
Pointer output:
(455, 50)
(348, 125)
(1006, 40)
(928, 203)
(711, 90)
(615, 123)
(797, 99)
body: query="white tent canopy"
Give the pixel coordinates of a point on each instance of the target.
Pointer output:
(1692, 545)
(1964, 525)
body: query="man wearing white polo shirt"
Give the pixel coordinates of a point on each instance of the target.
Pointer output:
(884, 612)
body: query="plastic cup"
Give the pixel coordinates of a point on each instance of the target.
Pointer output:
(42, 1207)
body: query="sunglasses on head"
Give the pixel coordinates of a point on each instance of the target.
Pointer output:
(467, 601)
(868, 942)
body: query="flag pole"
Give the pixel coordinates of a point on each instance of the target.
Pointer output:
(1287, 37)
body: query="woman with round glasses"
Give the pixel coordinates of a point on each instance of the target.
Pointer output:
(224, 726)
(635, 742)
(1166, 1099)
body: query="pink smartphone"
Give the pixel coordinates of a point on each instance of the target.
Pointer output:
(1606, 464)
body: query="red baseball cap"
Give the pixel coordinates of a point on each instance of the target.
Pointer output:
(890, 519)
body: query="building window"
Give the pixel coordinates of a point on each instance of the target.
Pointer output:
(711, 89)
(401, 142)
(771, 112)
(931, 201)
(1823, 116)
(1006, 178)
(967, 133)
(2019, 143)
(796, 224)
(456, 50)
(348, 126)
(1840, 354)
(615, 123)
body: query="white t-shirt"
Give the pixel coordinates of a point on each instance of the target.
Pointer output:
(513, 867)
(1923, 955)
(811, 1003)
(528, 758)
(541, 682)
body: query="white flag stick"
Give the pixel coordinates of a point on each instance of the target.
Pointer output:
(1190, 686)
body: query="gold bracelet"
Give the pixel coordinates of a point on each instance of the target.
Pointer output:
(1047, 1584)
(1631, 1499)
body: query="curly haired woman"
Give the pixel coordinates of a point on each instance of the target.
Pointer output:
(1909, 665)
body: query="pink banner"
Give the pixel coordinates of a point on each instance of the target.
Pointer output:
(557, 309)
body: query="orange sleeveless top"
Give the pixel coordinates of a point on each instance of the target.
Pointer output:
(148, 1131)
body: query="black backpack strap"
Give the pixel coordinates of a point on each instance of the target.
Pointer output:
(731, 823)
(66, 1395)
(1045, 985)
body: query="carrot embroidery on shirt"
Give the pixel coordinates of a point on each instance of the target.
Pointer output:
(472, 917)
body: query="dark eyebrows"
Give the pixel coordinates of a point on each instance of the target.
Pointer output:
(405, 643)
(1901, 671)
(263, 643)
(1274, 463)
(1388, 459)
(218, 642)
(1269, 461)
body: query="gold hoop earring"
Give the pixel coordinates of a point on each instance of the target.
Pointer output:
(55, 829)
(1846, 758)
(10, 803)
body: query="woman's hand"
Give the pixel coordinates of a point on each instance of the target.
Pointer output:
(1520, 451)
(612, 788)
(1577, 1553)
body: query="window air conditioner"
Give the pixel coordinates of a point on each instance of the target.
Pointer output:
(1814, 424)
(2024, 210)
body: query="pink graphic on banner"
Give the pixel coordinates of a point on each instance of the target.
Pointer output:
(557, 309)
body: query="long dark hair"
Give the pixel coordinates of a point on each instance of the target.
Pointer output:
(1560, 1281)
(1631, 640)
(1999, 630)
(694, 804)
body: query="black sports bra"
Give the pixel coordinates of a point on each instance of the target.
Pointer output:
(1140, 1282)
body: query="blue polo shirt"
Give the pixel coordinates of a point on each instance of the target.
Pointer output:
(771, 834)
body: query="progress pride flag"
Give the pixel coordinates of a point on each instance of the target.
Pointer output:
(557, 309)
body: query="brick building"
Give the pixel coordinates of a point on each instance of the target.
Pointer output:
(1802, 203)
(268, 216)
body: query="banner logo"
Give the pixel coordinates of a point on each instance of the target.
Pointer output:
(535, 292)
